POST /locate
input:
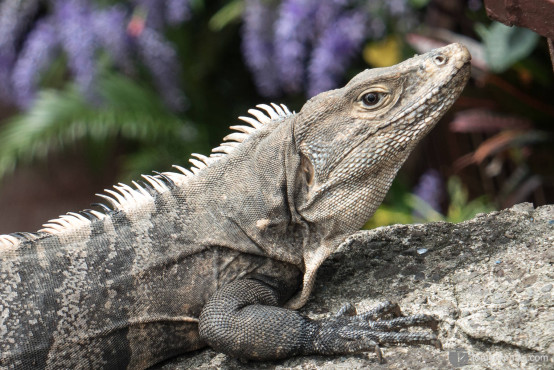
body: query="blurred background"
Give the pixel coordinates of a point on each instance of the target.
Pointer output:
(97, 92)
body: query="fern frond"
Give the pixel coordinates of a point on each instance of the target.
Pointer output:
(63, 117)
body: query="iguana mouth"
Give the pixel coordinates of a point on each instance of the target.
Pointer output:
(429, 102)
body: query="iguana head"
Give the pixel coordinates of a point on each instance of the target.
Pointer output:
(353, 140)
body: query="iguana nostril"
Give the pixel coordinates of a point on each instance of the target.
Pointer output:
(439, 60)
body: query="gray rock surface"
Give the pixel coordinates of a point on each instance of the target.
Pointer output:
(489, 281)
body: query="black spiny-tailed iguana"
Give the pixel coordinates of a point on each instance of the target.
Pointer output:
(223, 255)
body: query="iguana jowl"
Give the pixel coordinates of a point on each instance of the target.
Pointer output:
(214, 256)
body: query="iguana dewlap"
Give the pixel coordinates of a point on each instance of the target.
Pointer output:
(213, 255)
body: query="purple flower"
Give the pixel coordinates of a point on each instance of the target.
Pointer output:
(31, 37)
(154, 11)
(430, 189)
(110, 28)
(75, 30)
(40, 48)
(337, 45)
(177, 11)
(14, 20)
(161, 59)
(257, 46)
(326, 13)
(312, 42)
(294, 31)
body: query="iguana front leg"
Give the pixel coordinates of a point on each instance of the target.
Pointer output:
(243, 320)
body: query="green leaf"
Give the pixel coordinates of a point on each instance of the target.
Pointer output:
(229, 13)
(428, 213)
(60, 118)
(460, 209)
(418, 3)
(505, 45)
(388, 215)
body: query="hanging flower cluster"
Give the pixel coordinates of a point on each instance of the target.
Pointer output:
(298, 45)
(290, 46)
(430, 189)
(34, 33)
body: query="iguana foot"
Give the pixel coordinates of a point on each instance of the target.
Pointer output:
(350, 332)
(378, 317)
(243, 320)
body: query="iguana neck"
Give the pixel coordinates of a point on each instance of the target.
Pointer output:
(252, 208)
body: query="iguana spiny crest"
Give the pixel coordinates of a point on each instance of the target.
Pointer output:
(127, 199)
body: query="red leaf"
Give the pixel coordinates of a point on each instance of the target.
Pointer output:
(478, 120)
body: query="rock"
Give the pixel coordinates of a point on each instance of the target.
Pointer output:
(488, 280)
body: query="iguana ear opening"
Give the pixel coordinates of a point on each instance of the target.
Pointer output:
(308, 170)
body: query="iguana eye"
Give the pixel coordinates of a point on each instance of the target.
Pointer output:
(371, 99)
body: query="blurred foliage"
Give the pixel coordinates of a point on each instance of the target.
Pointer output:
(502, 131)
(229, 13)
(403, 207)
(419, 3)
(384, 53)
(505, 45)
(61, 117)
(511, 115)
(460, 207)
(160, 81)
(127, 114)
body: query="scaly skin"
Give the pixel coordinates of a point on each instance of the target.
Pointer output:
(214, 257)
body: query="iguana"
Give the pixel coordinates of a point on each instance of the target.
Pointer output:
(222, 254)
